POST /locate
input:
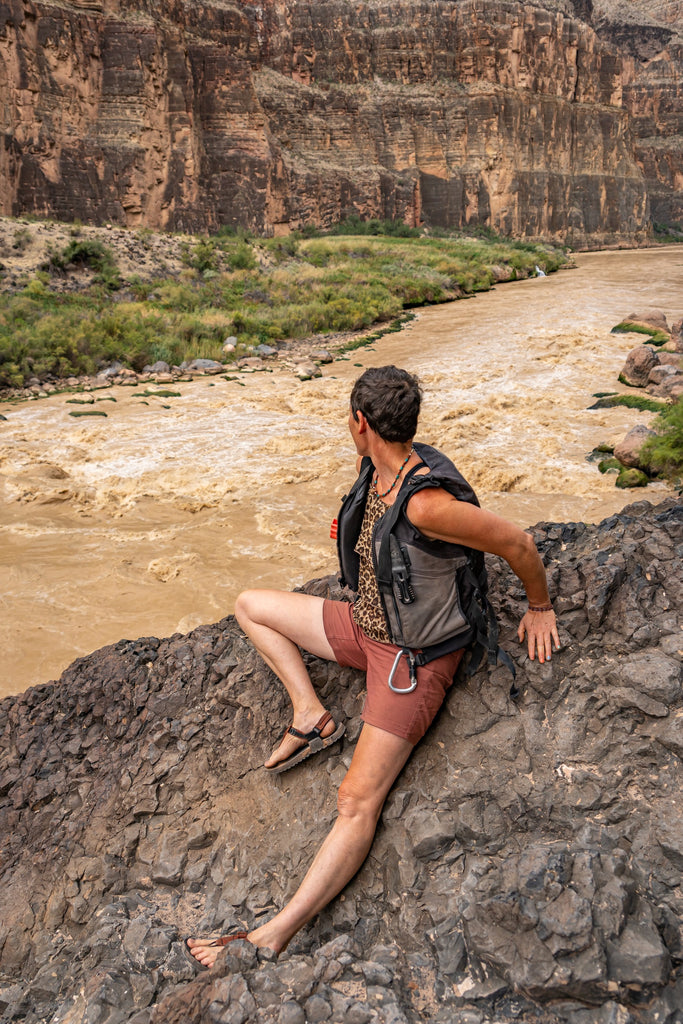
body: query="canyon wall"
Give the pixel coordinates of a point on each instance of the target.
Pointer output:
(271, 116)
(649, 36)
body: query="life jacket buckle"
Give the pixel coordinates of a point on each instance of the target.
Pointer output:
(410, 658)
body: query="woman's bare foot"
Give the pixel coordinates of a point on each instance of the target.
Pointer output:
(206, 951)
(313, 728)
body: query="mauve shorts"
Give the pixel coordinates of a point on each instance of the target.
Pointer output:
(407, 715)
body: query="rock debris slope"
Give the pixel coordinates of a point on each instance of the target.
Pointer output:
(544, 119)
(527, 867)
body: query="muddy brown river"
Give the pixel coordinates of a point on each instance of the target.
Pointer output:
(152, 520)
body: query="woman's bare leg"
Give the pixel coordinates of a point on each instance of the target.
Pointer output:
(278, 623)
(377, 761)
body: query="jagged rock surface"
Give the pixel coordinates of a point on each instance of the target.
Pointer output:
(534, 119)
(527, 867)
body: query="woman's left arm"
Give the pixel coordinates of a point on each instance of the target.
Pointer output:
(440, 516)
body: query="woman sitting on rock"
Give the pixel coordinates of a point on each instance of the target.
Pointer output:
(409, 532)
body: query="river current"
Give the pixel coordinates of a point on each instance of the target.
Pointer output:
(151, 520)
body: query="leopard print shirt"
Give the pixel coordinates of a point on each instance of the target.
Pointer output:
(367, 611)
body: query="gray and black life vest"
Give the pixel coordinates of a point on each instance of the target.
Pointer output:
(433, 593)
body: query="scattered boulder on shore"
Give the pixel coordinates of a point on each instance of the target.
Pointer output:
(527, 867)
(640, 362)
(654, 318)
(677, 335)
(629, 448)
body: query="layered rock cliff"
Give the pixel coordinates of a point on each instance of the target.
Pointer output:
(649, 36)
(272, 115)
(527, 868)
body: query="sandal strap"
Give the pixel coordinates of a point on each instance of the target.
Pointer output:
(315, 731)
(223, 940)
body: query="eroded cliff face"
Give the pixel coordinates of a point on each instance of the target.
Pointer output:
(649, 34)
(272, 115)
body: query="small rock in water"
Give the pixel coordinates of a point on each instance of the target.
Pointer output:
(307, 370)
(629, 448)
(639, 363)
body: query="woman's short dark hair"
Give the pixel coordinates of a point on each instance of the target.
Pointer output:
(389, 398)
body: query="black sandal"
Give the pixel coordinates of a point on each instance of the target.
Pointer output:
(313, 742)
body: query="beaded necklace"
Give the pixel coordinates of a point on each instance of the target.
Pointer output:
(390, 489)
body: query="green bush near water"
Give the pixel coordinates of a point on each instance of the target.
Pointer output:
(259, 290)
(664, 454)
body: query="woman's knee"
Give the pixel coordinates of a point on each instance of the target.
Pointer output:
(357, 801)
(245, 606)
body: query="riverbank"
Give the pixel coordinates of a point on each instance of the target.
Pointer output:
(75, 300)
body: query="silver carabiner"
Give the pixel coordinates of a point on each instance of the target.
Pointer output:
(413, 674)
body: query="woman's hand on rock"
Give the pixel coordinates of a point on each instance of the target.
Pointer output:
(540, 629)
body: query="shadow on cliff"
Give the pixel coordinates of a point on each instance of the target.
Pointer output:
(528, 862)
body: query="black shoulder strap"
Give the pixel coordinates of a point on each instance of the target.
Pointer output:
(389, 520)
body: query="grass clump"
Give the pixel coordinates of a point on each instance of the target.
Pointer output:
(87, 412)
(657, 337)
(664, 454)
(87, 252)
(631, 402)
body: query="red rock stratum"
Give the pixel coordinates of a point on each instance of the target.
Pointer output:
(547, 120)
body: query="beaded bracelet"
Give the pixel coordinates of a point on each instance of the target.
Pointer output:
(540, 607)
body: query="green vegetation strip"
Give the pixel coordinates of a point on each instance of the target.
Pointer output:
(631, 402)
(257, 290)
(87, 412)
(656, 336)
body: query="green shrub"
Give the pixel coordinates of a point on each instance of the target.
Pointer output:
(664, 454)
(282, 248)
(202, 256)
(90, 252)
(353, 225)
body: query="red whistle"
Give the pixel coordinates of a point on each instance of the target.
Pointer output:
(333, 530)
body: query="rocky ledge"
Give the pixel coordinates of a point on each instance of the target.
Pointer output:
(528, 863)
